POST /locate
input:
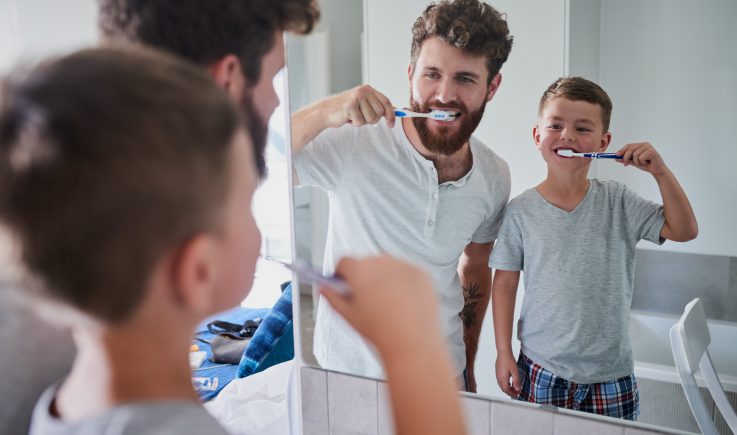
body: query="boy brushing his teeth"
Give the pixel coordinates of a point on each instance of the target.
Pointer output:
(575, 239)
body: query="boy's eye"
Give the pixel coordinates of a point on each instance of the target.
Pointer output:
(554, 126)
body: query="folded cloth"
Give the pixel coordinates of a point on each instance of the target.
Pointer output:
(256, 404)
(273, 341)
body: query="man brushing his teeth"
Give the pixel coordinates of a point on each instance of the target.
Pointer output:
(421, 189)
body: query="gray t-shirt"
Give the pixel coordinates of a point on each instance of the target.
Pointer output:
(144, 418)
(385, 197)
(578, 276)
(33, 355)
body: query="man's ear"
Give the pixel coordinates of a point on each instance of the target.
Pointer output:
(605, 140)
(195, 273)
(493, 86)
(536, 137)
(228, 74)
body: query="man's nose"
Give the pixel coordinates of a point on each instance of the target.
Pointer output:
(446, 91)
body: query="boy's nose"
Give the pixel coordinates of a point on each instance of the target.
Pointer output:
(567, 135)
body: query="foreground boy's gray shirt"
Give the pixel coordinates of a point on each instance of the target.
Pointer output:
(579, 271)
(144, 418)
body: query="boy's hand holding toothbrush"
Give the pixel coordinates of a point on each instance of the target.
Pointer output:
(642, 155)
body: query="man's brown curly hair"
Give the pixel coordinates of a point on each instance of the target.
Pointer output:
(475, 27)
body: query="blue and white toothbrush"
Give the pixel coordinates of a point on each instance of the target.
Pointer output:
(438, 115)
(311, 276)
(571, 153)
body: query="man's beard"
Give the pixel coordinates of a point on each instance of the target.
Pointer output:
(442, 140)
(259, 130)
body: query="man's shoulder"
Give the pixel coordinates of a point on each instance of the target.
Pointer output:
(487, 157)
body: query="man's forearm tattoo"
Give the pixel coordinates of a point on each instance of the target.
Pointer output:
(471, 294)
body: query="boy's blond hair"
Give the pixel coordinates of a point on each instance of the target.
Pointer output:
(578, 89)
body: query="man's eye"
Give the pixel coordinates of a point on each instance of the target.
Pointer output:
(583, 129)
(432, 75)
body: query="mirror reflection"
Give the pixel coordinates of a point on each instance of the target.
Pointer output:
(423, 190)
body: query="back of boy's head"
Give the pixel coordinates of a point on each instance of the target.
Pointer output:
(109, 159)
(579, 89)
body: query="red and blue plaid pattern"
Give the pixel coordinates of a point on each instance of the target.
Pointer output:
(619, 398)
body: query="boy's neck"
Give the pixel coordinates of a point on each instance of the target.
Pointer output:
(131, 363)
(564, 190)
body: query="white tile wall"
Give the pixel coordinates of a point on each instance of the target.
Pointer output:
(337, 404)
(478, 415)
(314, 401)
(386, 418)
(568, 424)
(352, 405)
(517, 419)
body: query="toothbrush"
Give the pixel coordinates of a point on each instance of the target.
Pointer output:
(304, 271)
(571, 153)
(438, 115)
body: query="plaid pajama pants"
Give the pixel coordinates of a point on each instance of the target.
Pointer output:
(619, 398)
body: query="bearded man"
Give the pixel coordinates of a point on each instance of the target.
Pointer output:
(419, 189)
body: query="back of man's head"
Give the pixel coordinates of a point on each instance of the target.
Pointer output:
(204, 31)
(109, 159)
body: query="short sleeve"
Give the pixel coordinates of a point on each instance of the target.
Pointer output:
(508, 252)
(488, 231)
(321, 162)
(645, 218)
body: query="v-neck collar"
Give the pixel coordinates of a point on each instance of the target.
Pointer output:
(575, 209)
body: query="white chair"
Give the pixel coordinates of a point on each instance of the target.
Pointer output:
(690, 339)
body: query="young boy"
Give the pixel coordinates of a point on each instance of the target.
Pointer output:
(575, 239)
(126, 180)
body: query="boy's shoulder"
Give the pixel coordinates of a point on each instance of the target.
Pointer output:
(144, 418)
(524, 200)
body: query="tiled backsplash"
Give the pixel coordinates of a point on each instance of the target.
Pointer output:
(666, 281)
(336, 404)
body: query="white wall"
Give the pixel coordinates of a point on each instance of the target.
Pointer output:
(670, 67)
(537, 59)
(33, 29)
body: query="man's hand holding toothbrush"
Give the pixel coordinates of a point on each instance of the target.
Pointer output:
(358, 106)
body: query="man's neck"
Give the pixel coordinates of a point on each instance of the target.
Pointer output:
(126, 364)
(449, 167)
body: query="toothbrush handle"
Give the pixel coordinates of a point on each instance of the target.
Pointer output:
(605, 156)
(401, 113)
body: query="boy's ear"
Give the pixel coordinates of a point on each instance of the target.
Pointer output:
(536, 137)
(195, 272)
(605, 140)
(228, 74)
(493, 86)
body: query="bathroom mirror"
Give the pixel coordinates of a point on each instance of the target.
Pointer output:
(671, 71)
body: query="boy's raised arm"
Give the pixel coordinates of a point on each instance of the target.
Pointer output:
(680, 221)
(503, 296)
